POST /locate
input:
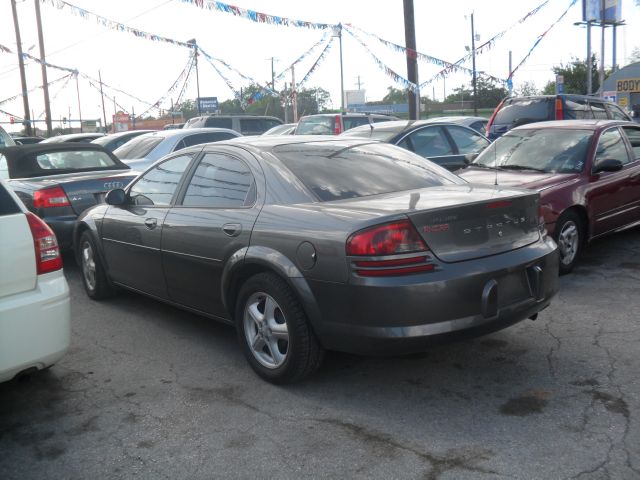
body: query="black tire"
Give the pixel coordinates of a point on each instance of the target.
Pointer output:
(97, 285)
(569, 235)
(300, 355)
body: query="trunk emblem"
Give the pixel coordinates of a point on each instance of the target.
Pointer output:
(113, 185)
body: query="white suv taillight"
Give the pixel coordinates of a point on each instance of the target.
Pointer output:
(48, 258)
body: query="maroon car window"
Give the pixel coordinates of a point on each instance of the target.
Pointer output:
(157, 186)
(220, 182)
(611, 146)
(551, 150)
(633, 134)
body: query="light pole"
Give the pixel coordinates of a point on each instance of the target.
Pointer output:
(473, 56)
(337, 32)
(195, 52)
(23, 80)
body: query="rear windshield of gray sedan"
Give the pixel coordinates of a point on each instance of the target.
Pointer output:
(339, 173)
(139, 147)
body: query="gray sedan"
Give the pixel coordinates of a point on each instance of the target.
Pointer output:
(307, 244)
(142, 151)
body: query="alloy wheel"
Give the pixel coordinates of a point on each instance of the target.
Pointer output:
(568, 242)
(88, 266)
(265, 329)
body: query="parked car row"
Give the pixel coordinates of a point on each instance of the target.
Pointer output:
(388, 238)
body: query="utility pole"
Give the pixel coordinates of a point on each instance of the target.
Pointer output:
(337, 32)
(23, 80)
(104, 112)
(359, 83)
(473, 56)
(115, 114)
(79, 111)
(589, 61)
(294, 94)
(133, 118)
(195, 53)
(45, 83)
(601, 73)
(412, 62)
(510, 70)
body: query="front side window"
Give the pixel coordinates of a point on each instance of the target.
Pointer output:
(158, 185)
(206, 137)
(430, 142)
(139, 147)
(617, 113)
(4, 168)
(611, 146)
(218, 122)
(468, 141)
(220, 181)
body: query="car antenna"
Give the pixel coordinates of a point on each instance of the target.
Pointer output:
(495, 163)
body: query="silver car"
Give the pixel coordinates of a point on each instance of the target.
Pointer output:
(307, 244)
(142, 151)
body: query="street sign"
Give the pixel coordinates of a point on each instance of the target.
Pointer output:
(208, 104)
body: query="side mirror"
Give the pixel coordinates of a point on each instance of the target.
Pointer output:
(116, 196)
(608, 165)
(470, 157)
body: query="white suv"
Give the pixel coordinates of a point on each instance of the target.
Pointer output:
(34, 295)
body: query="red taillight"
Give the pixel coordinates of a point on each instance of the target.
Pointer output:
(48, 257)
(493, 117)
(388, 239)
(50, 197)
(559, 109)
(338, 128)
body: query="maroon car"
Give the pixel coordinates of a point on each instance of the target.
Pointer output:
(587, 173)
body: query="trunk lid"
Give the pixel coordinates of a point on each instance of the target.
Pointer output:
(87, 189)
(458, 222)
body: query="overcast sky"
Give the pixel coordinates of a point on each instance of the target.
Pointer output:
(146, 69)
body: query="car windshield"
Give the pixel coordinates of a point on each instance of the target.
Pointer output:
(382, 134)
(139, 147)
(551, 150)
(361, 170)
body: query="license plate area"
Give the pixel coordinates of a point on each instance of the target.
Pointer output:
(513, 288)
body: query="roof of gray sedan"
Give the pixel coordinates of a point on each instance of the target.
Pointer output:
(271, 141)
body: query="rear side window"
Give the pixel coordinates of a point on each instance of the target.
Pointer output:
(220, 181)
(8, 205)
(598, 111)
(4, 168)
(525, 110)
(206, 137)
(633, 134)
(157, 186)
(351, 122)
(332, 173)
(218, 122)
(576, 109)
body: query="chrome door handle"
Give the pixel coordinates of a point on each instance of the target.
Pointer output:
(150, 223)
(232, 229)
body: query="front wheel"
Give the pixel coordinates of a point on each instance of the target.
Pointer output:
(569, 235)
(274, 332)
(94, 277)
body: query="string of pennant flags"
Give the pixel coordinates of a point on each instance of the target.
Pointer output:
(53, 82)
(257, 17)
(324, 45)
(539, 39)
(55, 95)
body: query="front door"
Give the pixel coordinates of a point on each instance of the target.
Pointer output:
(212, 220)
(131, 233)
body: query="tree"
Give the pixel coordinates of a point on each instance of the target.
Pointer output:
(635, 54)
(527, 88)
(489, 93)
(575, 77)
(395, 95)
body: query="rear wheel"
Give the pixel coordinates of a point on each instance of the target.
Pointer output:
(94, 277)
(274, 332)
(569, 235)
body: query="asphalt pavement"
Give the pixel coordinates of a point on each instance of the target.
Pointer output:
(151, 392)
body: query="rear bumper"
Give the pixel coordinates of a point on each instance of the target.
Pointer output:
(34, 326)
(408, 314)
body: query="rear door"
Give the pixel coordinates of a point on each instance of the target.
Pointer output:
(131, 233)
(212, 219)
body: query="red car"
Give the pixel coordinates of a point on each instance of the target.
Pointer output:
(587, 173)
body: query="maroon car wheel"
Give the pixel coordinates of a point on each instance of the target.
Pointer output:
(569, 237)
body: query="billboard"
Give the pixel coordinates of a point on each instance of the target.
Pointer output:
(592, 10)
(208, 104)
